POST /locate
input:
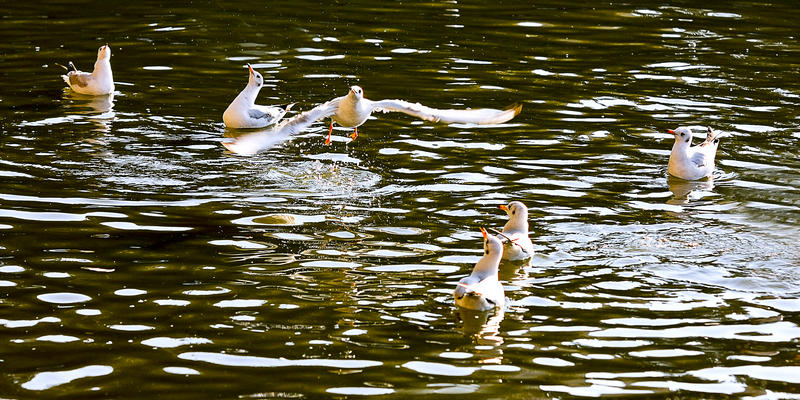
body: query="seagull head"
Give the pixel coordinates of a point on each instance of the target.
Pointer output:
(516, 210)
(255, 78)
(491, 245)
(357, 91)
(104, 52)
(683, 135)
(517, 217)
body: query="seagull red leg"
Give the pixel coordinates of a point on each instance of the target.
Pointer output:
(328, 140)
(355, 134)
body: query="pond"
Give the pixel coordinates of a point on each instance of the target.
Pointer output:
(139, 258)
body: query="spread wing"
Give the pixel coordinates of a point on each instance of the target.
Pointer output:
(258, 141)
(713, 137)
(479, 116)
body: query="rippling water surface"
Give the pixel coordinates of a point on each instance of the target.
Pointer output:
(138, 258)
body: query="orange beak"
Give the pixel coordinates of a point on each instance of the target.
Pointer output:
(671, 131)
(503, 207)
(250, 68)
(483, 231)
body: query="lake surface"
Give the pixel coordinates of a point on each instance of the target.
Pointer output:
(140, 259)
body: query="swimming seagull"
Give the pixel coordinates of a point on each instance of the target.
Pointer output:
(517, 244)
(353, 110)
(243, 111)
(99, 82)
(482, 290)
(692, 163)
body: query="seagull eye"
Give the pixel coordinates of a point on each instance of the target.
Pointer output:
(683, 134)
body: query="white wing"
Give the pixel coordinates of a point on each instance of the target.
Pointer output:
(480, 116)
(698, 159)
(267, 114)
(258, 141)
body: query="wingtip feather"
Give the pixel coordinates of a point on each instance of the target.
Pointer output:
(236, 148)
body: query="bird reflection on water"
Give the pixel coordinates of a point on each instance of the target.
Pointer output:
(484, 326)
(99, 110)
(684, 191)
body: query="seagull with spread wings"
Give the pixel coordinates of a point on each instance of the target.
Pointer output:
(354, 109)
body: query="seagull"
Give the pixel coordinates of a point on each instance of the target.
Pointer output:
(244, 113)
(482, 290)
(99, 82)
(353, 110)
(516, 243)
(692, 163)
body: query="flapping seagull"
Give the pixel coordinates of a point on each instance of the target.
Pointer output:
(353, 110)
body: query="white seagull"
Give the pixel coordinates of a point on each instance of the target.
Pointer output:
(353, 110)
(517, 244)
(692, 163)
(99, 82)
(243, 111)
(482, 290)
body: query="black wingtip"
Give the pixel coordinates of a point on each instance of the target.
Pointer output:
(71, 67)
(517, 107)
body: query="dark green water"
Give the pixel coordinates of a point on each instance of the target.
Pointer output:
(139, 259)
